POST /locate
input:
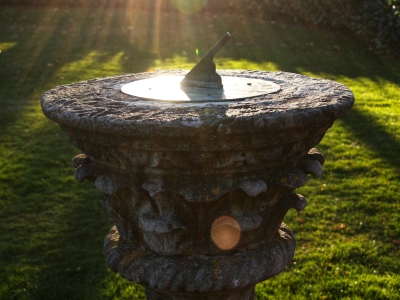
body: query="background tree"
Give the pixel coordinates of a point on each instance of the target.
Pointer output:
(376, 22)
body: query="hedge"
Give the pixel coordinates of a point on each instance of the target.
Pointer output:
(377, 22)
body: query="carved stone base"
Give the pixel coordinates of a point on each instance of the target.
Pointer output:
(198, 192)
(244, 294)
(200, 277)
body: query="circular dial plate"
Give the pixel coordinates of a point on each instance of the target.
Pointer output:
(167, 88)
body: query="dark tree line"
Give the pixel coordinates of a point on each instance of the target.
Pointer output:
(377, 22)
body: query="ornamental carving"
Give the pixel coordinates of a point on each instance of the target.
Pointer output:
(158, 214)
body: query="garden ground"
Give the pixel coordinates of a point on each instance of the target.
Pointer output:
(53, 228)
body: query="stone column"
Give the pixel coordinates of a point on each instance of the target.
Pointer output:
(198, 192)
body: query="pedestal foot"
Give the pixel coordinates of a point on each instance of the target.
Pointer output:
(243, 294)
(230, 277)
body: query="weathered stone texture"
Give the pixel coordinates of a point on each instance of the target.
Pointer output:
(169, 171)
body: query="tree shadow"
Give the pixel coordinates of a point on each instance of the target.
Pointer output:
(376, 137)
(48, 39)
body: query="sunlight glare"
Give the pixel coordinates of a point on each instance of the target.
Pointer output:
(93, 64)
(225, 232)
(189, 7)
(7, 45)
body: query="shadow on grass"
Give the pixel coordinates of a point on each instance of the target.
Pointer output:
(45, 40)
(375, 136)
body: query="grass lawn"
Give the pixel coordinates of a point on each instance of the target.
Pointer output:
(52, 228)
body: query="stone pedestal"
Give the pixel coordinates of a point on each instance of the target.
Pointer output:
(198, 192)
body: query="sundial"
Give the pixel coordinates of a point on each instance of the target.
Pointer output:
(198, 189)
(201, 84)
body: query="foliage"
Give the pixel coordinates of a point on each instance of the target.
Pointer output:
(53, 228)
(374, 21)
(395, 4)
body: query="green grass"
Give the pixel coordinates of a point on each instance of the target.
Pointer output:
(52, 227)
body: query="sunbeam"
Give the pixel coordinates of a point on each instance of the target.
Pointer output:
(189, 7)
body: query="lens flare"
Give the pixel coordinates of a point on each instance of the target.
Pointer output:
(189, 6)
(197, 51)
(225, 232)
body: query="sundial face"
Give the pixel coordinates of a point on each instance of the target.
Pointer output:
(201, 84)
(168, 88)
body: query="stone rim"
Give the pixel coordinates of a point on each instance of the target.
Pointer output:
(98, 105)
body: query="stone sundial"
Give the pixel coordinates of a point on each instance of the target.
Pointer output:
(198, 170)
(201, 84)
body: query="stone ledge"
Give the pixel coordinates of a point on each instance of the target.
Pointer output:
(98, 105)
